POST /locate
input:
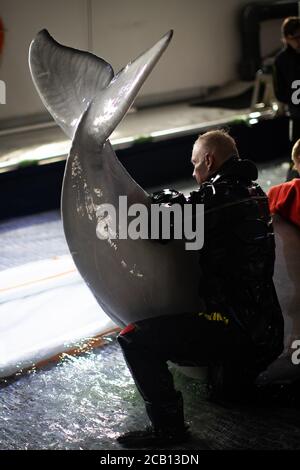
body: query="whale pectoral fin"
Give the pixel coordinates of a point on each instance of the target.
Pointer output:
(66, 79)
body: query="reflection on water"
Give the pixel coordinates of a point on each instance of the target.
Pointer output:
(84, 402)
(272, 173)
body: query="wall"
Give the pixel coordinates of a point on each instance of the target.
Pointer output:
(204, 51)
(67, 22)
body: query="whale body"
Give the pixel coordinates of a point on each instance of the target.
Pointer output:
(131, 279)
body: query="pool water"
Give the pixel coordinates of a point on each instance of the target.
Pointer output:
(84, 402)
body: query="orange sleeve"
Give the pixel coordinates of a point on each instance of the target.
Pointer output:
(284, 199)
(273, 196)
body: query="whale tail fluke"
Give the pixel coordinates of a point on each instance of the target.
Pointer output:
(110, 106)
(70, 82)
(66, 79)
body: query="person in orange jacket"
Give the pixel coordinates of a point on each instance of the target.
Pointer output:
(284, 198)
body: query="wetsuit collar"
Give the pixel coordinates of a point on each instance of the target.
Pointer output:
(236, 167)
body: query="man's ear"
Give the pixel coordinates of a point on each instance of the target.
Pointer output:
(209, 160)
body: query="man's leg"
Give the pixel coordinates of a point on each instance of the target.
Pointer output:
(154, 381)
(148, 345)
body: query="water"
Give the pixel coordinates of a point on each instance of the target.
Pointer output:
(80, 403)
(84, 402)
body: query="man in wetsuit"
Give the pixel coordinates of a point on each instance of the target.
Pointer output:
(286, 74)
(240, 330)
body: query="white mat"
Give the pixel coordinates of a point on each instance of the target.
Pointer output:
(45, 309)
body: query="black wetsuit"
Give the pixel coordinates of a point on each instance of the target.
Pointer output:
(242, 324)
(286, 71)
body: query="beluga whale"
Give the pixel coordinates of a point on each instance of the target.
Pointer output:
(132, 279)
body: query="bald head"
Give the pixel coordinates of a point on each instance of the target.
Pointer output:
(210, 151)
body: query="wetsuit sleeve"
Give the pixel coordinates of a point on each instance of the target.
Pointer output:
(166, 198)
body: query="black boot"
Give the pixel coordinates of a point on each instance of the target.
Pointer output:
(150, 437)
(167, 429)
